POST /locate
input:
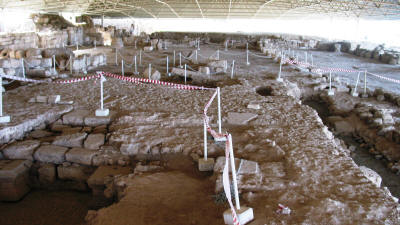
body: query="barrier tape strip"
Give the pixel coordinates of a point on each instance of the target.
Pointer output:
(76, 80)
(385, 78)
(162, 83)
(225, 173)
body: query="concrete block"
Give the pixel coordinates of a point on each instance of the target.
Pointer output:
(244, 214)
(102, 112)
(80, 155)
(51, 154)
(47, 173)
(74, 172)
(206, 165)
(14, 178)
(94, 141)
(5, 119)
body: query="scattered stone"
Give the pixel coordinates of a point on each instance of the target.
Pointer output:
(71, 130)
(80, 155)
(51, 154)
(240, 118)
(146, 168)
(74, 172)
(75, 118)
(155, 74)
(14, 177)
(41, 99)
(100, 129)
(253, 106)
(70, 140)
(40, 134)
(21, 150)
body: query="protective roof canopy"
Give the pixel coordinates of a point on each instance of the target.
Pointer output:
(370, 9)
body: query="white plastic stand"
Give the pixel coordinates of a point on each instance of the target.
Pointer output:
(247, 58)
(140, 57)
(226, 46)
(196, 55)
(3, 119)
(219, 116)
(102, 111)
(168, 73)
(305, 56)
(54, 63)
(70, 64)
(330, 92)
(244, 214)
(217, 54)
(198, 44)
(365, 85)
(174, 58)
(355, 94)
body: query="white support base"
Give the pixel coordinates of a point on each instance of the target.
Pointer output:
(102, 112)
(279, 79)
(169, 74)
(206, 165)
(221, 139)
(248, 64)
(245, 215)
(331, 93)
(355, 94)
(5, 119)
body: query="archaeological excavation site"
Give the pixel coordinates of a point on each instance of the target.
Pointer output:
(161, 112)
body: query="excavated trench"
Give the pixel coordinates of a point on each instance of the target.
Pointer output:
(360, 153)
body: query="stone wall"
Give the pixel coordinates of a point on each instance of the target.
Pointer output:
(19, 41)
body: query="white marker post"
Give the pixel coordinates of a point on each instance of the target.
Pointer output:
(135, 44)
(217, 54)
(305, 53)
(244, 214)
(23, 67)
(174, 58)
(233, 67)
(247, 54)
(365, 85)
(76, 42)
(185, 73)
(219, 111)
(150, 71)
(226, 45)
(312, 60)
(3, 119)
(205, 164)
(136, 72)
(140, 57)
(196, 55)
(198, 44)
(122, 67)
(168, 74)
(70, 64)
(330, 92)
(102, 111)
(54, 63)
(355, 94)
(279, 79)
(180, 60)
(116, 56)
(95, 44)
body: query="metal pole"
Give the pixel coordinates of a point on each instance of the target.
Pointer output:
(226, 46)
(149, 71)
(196, 55)
(247, 57)
(122, 68)
(167, 66)
(205, 141)
(180, 59)
(54, 63)
(233, 67)
(185, 73)
(135, 66)
(95, 44)
(23, 67)
(76, 42)
(355, 87)
(198, 44)
(305, 53)
(217, 54)
(174, 58)
(140, 57)
(365, 82)
(116, 56)
(70, 63)
(101, 91)
(1, 96)
(233, 168)
(219, 110)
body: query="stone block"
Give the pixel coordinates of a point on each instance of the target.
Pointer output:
(76, 118)
(80, 155)
(46, 62)
(70, 140)
(74, 172)
(21, 150)
(33, 52)
(206, 165)
(14, 178)
(47, 173)
(155, 74)
(94, 121)
(240, 118)
(94, 141)
(51, 154)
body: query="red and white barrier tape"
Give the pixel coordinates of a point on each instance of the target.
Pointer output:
(225, 173)
(385, 78)
(163, 83)
(76, 80)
